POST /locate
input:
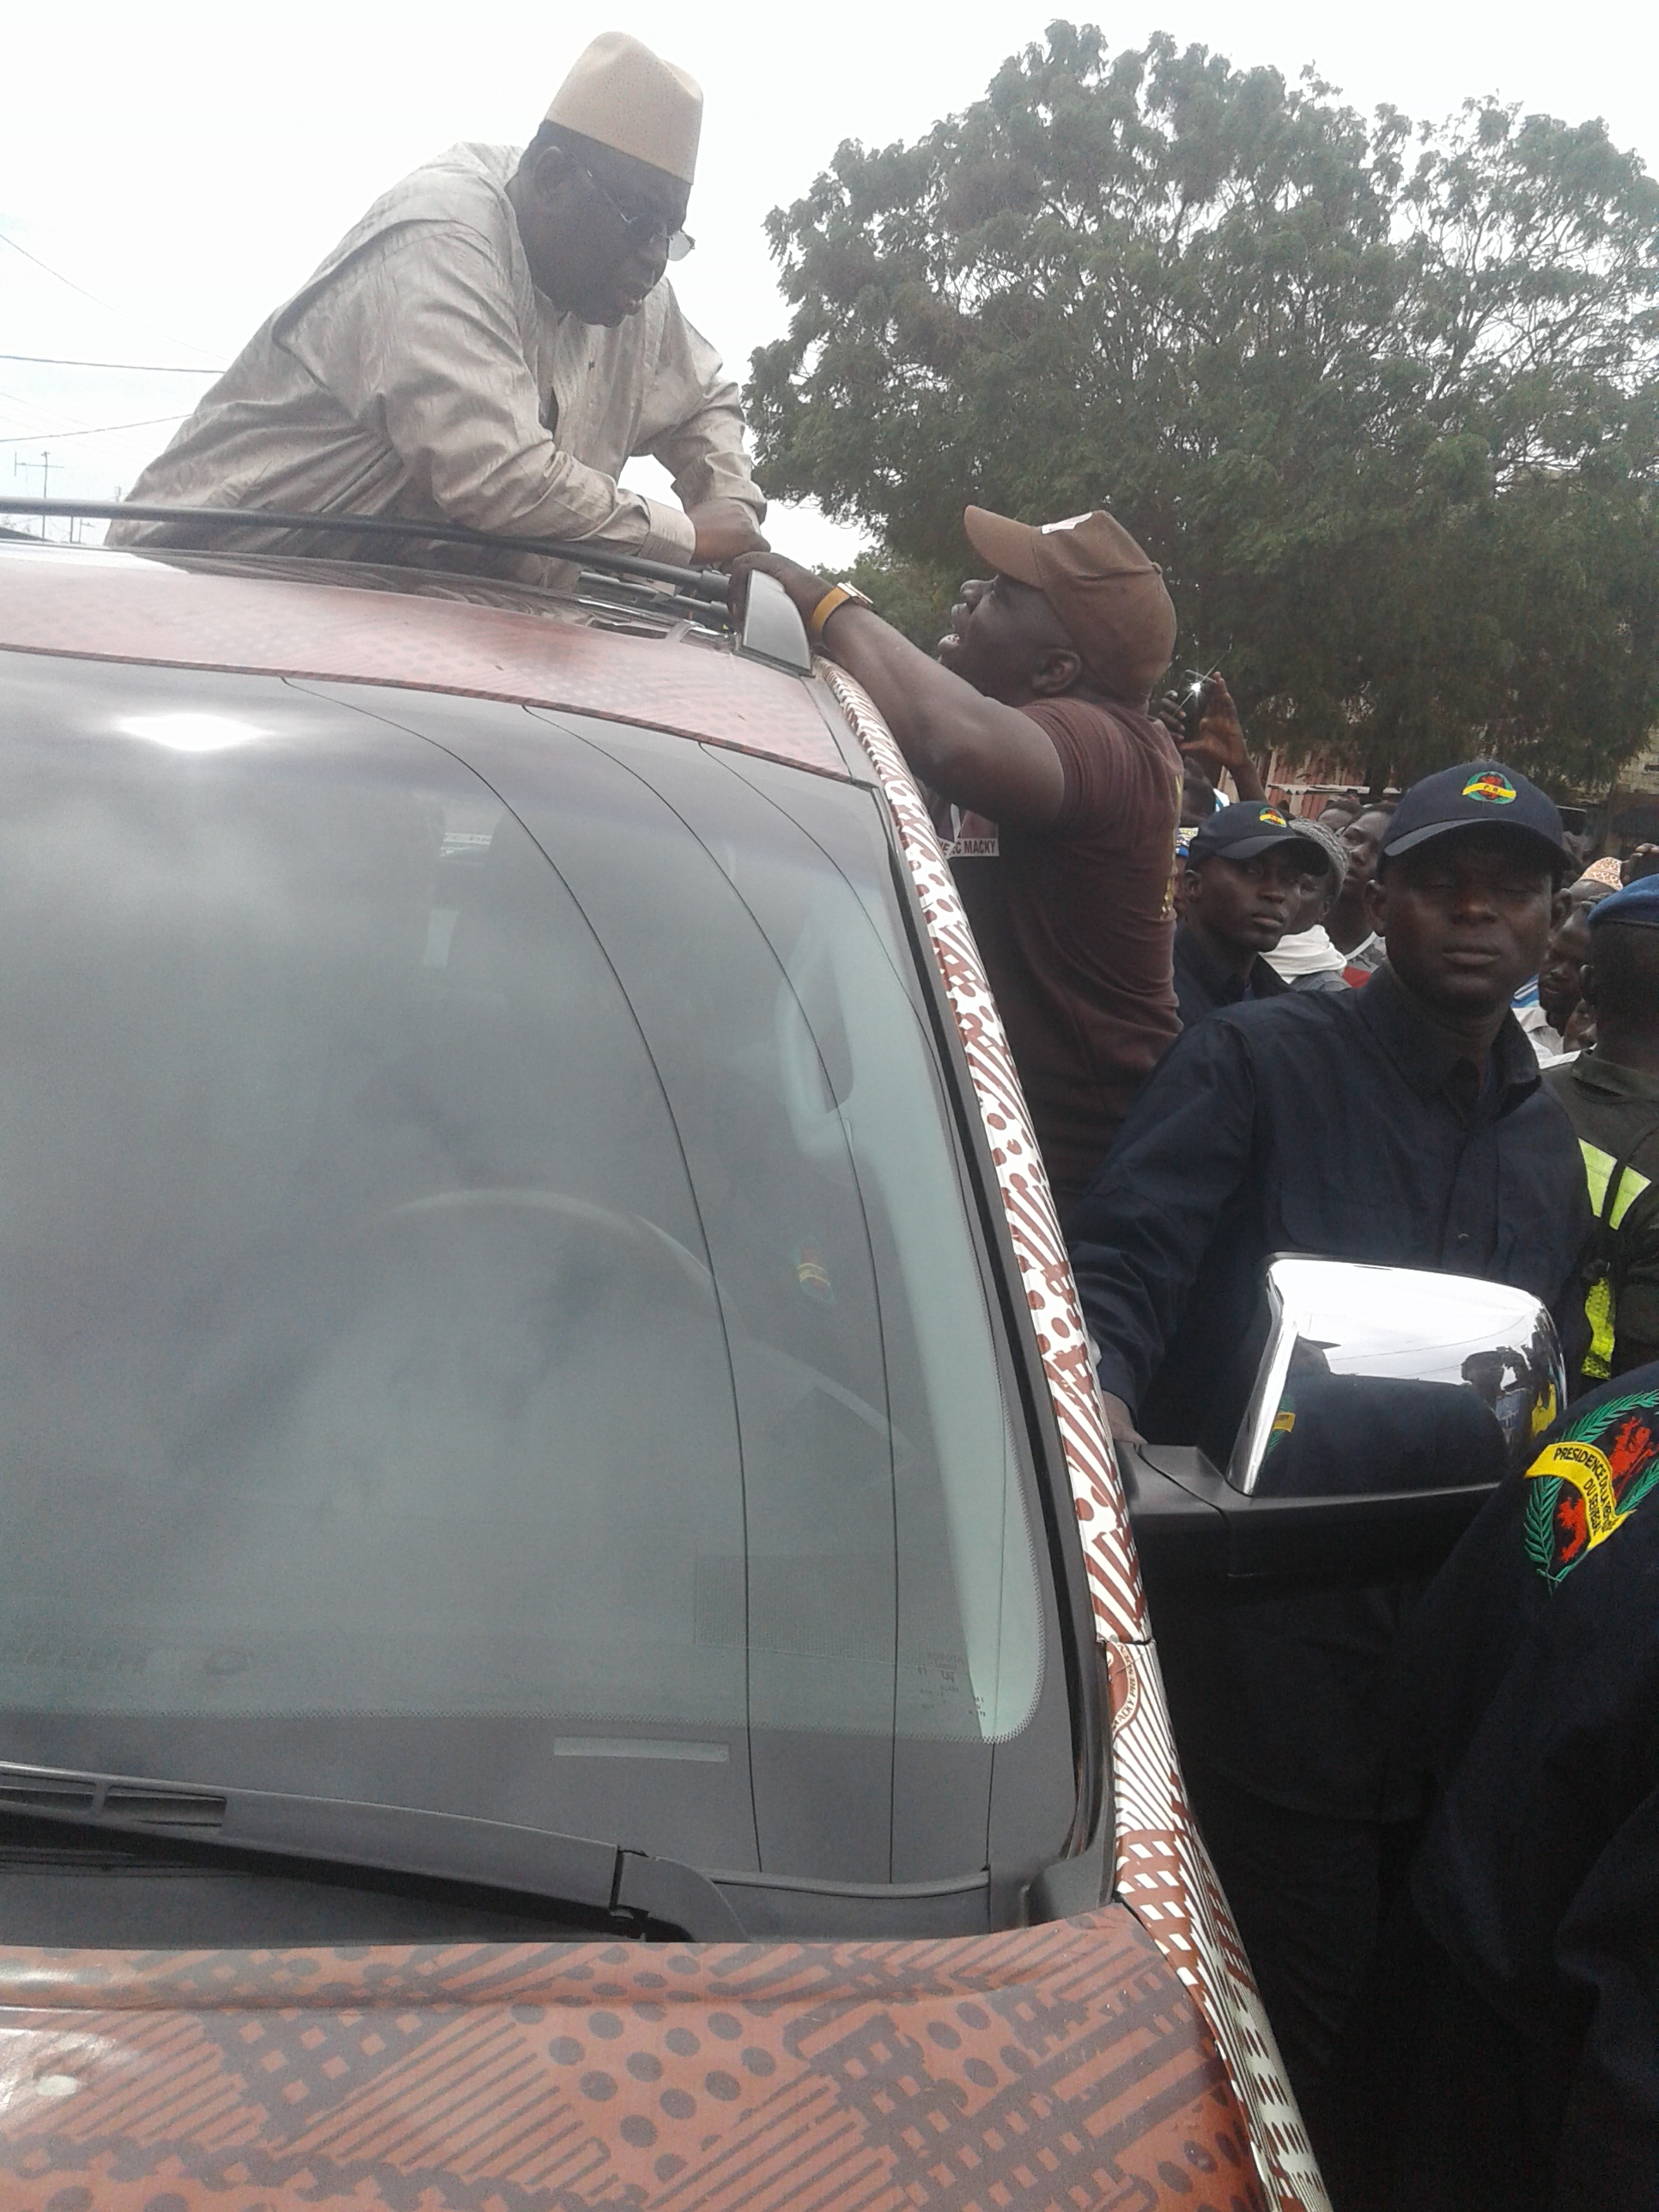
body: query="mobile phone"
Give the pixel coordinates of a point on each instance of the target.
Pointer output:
(1195, 695)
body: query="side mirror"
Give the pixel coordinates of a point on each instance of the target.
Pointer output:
(1387, 1403)
(1391, 1378)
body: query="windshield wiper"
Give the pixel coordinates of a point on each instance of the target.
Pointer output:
(400, 1839)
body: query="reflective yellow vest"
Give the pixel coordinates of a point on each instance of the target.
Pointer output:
(1611, 1205)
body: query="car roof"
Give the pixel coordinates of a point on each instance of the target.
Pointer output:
(175, 611)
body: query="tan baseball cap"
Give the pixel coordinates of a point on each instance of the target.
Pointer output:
(621, 94)
(1110, 596)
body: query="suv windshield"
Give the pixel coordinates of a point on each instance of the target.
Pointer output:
(489, 1308)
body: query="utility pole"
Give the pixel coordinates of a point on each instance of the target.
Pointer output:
(21, 467)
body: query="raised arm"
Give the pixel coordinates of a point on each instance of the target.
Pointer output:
(1219, 742)
(971, 750)
(694, 426)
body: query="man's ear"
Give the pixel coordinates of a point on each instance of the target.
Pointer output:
(1558, 906)
(1056, 672)
(1587, 983)
(1376, 904)
(547, 171)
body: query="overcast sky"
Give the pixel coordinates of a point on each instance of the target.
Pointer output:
(188, 165)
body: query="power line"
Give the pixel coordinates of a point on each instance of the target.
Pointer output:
(92, 430)
(149, 367)
(61, 279)
(57, 277)
(32, 407)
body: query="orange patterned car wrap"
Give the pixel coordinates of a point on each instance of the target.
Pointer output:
(1046, 2067)
(1163, 1868)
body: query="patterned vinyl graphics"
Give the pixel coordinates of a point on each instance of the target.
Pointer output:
(1062, 2066)
(1164, 1871)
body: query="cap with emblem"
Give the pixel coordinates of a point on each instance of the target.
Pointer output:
(1110, 596)
(620, 94)
(1637, 903)
(1475, 795)
(1240, 832)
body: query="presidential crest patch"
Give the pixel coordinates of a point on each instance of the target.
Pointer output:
(1492, 785)
(1584, 1486)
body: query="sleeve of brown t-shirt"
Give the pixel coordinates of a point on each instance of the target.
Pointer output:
(1094, 758)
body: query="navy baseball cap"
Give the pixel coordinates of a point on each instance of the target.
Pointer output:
(1475, 795)
(1638, 902)
(1241, 832)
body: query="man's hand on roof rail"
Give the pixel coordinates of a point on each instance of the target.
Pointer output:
(724, 528)
(805, 586)
(972, 749)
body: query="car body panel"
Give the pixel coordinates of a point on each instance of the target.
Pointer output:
(1162, 1868)
(116, 607)
(1169, 1933)
(1062, 2064)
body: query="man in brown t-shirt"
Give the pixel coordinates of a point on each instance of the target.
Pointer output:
(1064, 794)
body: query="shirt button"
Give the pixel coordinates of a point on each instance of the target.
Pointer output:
(1463, 1236)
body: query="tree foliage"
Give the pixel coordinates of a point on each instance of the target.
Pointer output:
(914, 596)
(1383, 397)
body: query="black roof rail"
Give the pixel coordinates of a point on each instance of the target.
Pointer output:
(770, 629)
(705, 586)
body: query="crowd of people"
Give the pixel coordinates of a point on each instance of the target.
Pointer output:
(1412, 1031)
(1416, 1030)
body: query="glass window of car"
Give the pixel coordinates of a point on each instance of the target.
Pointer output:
(488, 1305)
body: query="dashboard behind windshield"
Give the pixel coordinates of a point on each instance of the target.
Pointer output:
(490, 1313)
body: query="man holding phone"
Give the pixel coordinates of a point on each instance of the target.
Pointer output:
(1204, 722)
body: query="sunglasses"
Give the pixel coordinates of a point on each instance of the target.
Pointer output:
(643, 229)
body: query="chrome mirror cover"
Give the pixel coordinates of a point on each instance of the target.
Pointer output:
(1470, 1371)
(772, 629)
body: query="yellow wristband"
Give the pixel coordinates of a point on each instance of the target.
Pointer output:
(836, 596)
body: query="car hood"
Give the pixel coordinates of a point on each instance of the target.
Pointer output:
(1058, 2064)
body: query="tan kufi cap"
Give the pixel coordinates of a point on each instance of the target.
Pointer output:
(1604, 871)
(1110, 596)
(621, 96)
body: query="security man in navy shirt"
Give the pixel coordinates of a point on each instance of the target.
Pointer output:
(1245, 874)
(1523, 2029)
(1404, 1124)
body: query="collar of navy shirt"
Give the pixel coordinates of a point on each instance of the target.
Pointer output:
(1225, 988)
(1433, 1064)
(1591, 1072)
